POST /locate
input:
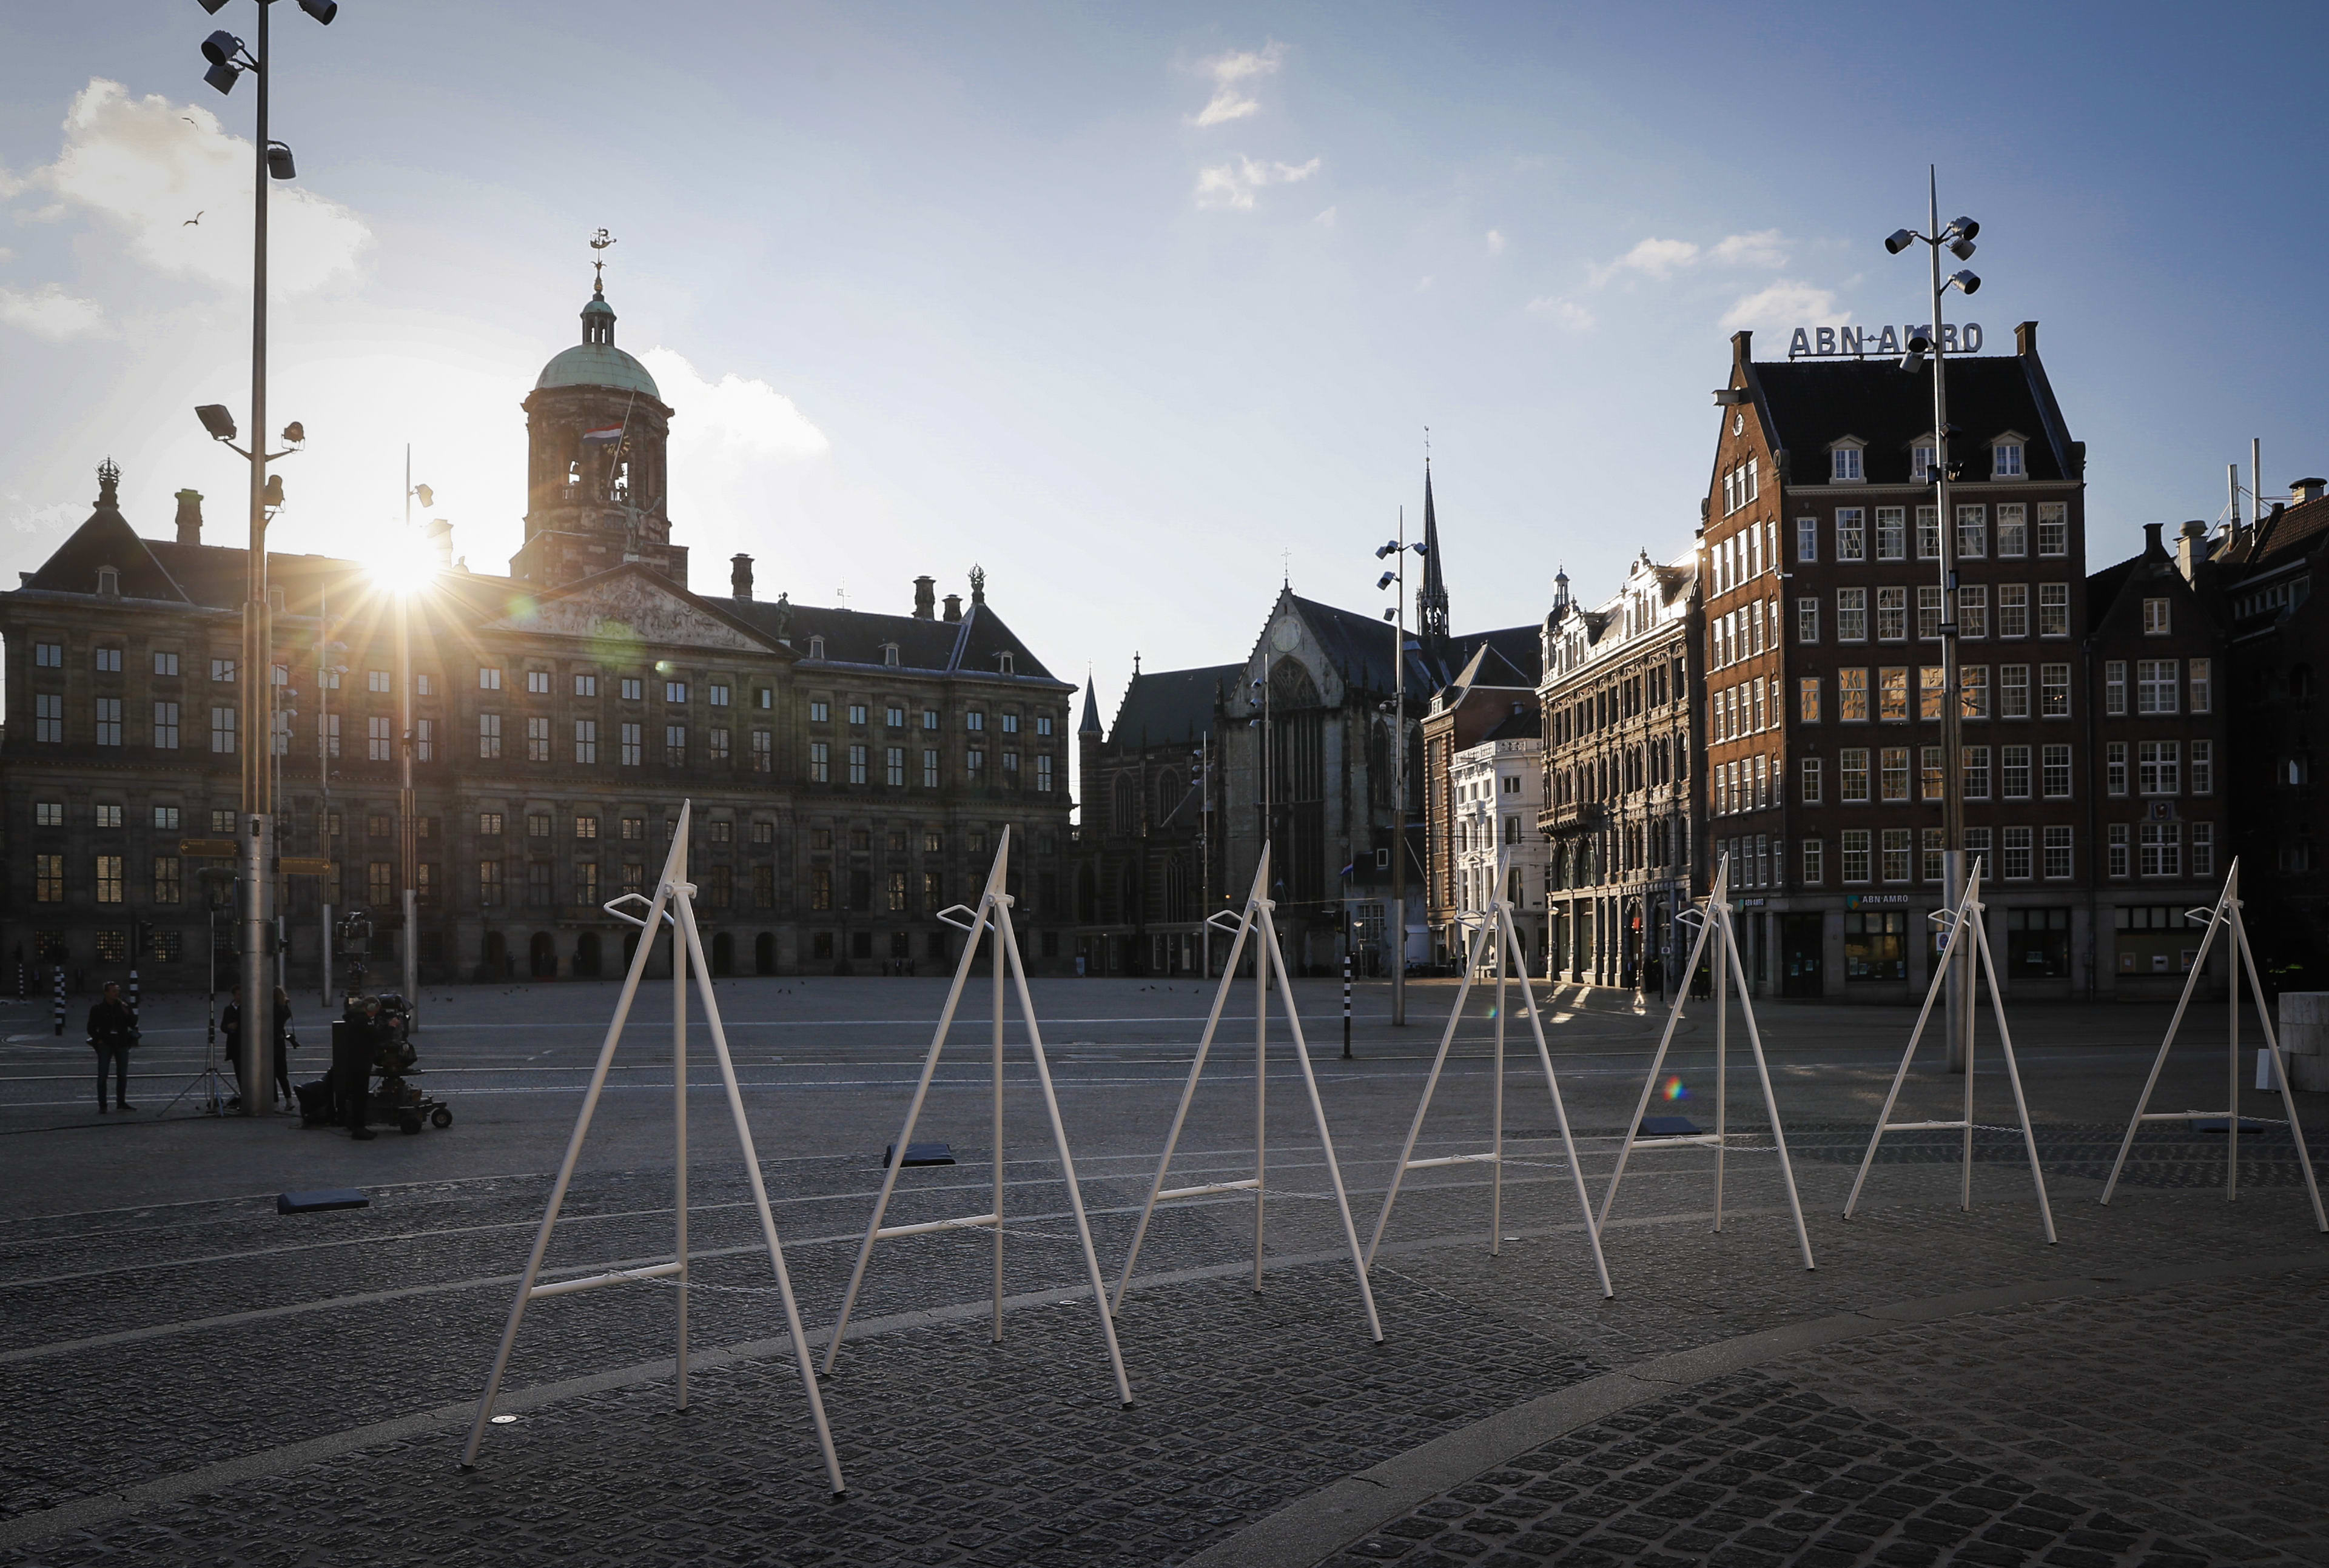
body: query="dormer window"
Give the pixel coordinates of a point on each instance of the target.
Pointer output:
(1007, 667)
(890, 655)
(108, 582)
(1844, 464)
(2005, 460)
(1921, 459)
(816, 647)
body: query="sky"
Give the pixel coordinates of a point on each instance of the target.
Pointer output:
(1144, 309)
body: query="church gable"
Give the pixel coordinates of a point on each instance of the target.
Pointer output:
(632, 606)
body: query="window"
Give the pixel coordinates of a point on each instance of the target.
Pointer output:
(168, 885)
(1011, 770)
(820, 762)
(540, 893)
(764, 755)
(2013, 609)
(490, 883)
(1807, 620)
(973, 765)
(2120, 850)
(632, 688)
(820, 712)
(1844, 465)
(2154, 685)
(1807, 699)
(1851, 696)
(585, 826)
(718, 693)
(2013, 769)
(2155, 623)
(165, 819)
(424, 682)
(537, 740)
(2203, 849)
(674, 746)
(222, 671)
(2014, 691)
(2115, 768)
(109, 660)
(164, 663)
(929, 719)
(2054, 692)
(933, 890)
(893, 766)
(586, 741)
(2203, 767)
(929, 768)
(2012, 530)
(537, 682)
(223, 731)
(2013, 856)
(1809, 773)
(716, 745)
(1932, 687)
(49, 717)
(1851, 615)
(1893, 694)
(893, 717)
(1891, 533)
(489, 734)
(764, 833)
(222, 820)
(109, 721)
(488, 678)
(1973, 532)
(1929, 533)
(1893, 763)
(109, 879)
(586, 883)
(1928, 772)
(1855, 856)
(489, 824)
(2053, 527)
(1891, 615)
(1808, 538)
(1973, 610)
(2053, 610)
(975, 720)
(1042, 773)
(723, 832)
(2054, 771)
(2159, 766)
(1813, 871)
(857, 715)
(537, 824)
(2005, 460)
(628, 745)
(381, 825)
(1042, 724)
(2115, 687)
(857, 765)
(1929, 613)
(165, 726)
(2056, 845)
(48, 878)
(675, 693)
(1851, 772)
(1899, 850)
(2162, 849)
(586, 685)
(820, 887)
(1850, 533)
(2203, 686)
(330, 725)
(1931, 860)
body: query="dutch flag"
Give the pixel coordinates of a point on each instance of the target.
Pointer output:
(605, 436)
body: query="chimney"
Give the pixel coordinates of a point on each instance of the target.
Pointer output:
(739, 576)
(2301, 490)
(2025, 338)
(440, 537)
(953, 608)
(2190, 547)
(2151, 545)
(926, 603)
(190, 517)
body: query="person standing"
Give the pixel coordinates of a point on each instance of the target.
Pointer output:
(282, 1039)
(112, 1031)
(356, 1044)
(231, 1035)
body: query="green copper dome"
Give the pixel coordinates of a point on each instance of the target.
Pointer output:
(595, 362)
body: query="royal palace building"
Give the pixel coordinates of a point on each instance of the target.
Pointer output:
(851, 774)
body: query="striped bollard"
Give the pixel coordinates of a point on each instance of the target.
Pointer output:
(1346, 1007)
(61, 999)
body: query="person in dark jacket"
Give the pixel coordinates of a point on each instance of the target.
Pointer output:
(112, 1031)
(231, 1038)
(355, 1045)
(281, 1038)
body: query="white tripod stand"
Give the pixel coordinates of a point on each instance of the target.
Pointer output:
(2224, 916)
(993, 916)
(1966, 918)
(674, 906)
(1495, 925)
(1715, 929)
(1269, 959)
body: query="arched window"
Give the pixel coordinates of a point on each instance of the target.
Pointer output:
(1168, 794)
(1127, 896)
(1127, 814)
(1177, 903)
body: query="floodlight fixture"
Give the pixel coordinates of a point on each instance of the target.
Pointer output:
(426, 496)
(1390, 548)
(1420, 548)
(322, 11)
(1386, 579)
(212, 6)
(278, 163)
(1962, 248)
(295, 433)
(1964, 228)
(1900, 239)
(273, 494)
(216, 420)
(1920, 345)
(220, 47)
(222, 77)
(1965, 282)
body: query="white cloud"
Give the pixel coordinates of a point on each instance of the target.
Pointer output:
(53, 517)
(1764, 247)
(1230, 100)
(1495, 242)
(149, 165)
(1565, 313)
(1651, 258)
(739, 416)
(1326, 220)
(1662, 259)
(1233, 185)
(49, 311)
(1786, 304)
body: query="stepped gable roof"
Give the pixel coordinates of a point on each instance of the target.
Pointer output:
(1162, 707)
(1812, 402)
(974, 646)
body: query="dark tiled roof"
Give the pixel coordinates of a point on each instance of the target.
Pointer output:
(1523, 723)
(976, 644)
(1814, 402)
(2288, 531)
(1163, 707)
(106, 540)
(1359, 646)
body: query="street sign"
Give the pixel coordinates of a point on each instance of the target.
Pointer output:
(207, 848)
(308, 866)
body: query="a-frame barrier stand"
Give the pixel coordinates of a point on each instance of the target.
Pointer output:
(1715, 931)
(993, 916)
(1269, 961)
(1512, 963)
(2225, 916)
(672, 905)
(1964, 923)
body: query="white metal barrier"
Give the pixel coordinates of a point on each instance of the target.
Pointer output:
(1269, 960)
(1715, 930)
(1510, 962)
(2224, 916)
(992, 915)
(672, 905)
(1955, 925)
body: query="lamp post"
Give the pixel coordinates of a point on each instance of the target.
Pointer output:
(229, 58)
(408, 824)
(1395, 578)
(1958, 239)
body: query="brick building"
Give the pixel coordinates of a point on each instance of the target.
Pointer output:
(1490, 708)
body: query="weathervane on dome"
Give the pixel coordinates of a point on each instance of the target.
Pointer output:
(598, 242)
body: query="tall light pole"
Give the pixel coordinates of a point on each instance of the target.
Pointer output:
(1395, 578)
(229, 58)
(408, 823)
(1957, 238)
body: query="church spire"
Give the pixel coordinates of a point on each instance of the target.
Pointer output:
(1431, 598)
(1090, 725)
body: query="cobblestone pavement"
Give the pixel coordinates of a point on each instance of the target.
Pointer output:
(201, 1380)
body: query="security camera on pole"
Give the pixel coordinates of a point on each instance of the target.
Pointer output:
(1957, 238)
(228, 58)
